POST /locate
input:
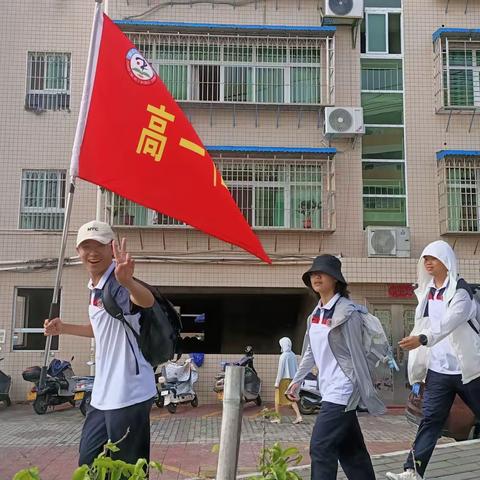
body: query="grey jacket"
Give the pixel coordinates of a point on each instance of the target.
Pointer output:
(345, 340)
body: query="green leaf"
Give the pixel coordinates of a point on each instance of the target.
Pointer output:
(80, 473)
(110, 446)
(288, 452)
(156, 466)
(27, 474)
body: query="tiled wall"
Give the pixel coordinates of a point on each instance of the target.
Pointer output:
(189, 259)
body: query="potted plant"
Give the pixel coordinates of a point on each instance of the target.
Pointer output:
(306, 208)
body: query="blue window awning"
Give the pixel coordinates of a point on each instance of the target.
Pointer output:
(457, 153)
(187, 27)
(456, 33)
(317, 152)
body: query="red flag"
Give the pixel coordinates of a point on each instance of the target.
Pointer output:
(138, 143)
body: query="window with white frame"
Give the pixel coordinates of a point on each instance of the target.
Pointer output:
(42, 205)
(275, 194)
(381, 32)
(48, 81)
(31, 308)
(383, 152)
(459, 194)
(208, 68)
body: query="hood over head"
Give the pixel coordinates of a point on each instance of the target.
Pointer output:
(285, 344)
(444, 252)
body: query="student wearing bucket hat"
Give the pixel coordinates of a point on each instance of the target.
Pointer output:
(333, 343)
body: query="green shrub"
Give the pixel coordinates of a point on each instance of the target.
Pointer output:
(103, 468)
(275, 462)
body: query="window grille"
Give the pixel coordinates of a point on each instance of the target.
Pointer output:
(457, 74)
(232, 69)
(48, 81)
(383, 74)
(271, 194)
(459, 194)
(42, 199)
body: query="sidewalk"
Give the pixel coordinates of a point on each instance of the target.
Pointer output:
(451, 461)
(182, 442)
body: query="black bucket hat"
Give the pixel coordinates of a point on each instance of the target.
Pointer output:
(326, 264)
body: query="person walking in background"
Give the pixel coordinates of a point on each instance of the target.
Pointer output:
(333, 343)
(287, 368)
(444, 351)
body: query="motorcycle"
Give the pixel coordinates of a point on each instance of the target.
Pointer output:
(175, 385)
(5, 385)
(83, 390)
(60, 386)
(310, 400)
(252, 384)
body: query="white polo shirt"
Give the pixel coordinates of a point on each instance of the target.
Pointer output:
(442, 356)
(116, 384)
(334, 385)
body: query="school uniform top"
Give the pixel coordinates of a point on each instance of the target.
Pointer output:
(117, 384)
(334, 385)
(442, 356)
(456, 323)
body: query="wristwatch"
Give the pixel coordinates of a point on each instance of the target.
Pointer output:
(423, 339)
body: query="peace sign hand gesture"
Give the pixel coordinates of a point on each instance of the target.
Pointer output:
(125, 265)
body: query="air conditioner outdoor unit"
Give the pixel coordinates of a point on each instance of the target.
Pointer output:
(338, 10)
(388, 241)
(344, 121)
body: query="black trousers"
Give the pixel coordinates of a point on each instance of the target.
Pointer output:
(103, 425)
(440, 391)
(337, 437)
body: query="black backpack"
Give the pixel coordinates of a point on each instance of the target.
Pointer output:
(160, 326)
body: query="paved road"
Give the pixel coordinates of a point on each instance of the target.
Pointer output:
(182, 442)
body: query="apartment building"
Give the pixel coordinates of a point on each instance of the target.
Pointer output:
(339, 127)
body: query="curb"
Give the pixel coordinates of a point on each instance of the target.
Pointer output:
(378, 456)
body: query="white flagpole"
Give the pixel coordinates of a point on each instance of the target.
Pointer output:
(82, 119)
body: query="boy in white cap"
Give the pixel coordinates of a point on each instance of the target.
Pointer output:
(444, 351)
(124, 384)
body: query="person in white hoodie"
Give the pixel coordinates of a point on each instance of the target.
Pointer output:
(444, 351)
(287, 368)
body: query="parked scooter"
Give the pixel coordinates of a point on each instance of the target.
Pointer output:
(252, 384)
(175, 385)
(83, 390)
(60, 386)
(5, 385)
(310, 399)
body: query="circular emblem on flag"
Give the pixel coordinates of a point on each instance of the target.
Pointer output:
(139, 69)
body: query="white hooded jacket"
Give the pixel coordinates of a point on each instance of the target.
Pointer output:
(460, 309)
(287, 363)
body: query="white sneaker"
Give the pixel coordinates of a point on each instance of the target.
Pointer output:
(409, 474)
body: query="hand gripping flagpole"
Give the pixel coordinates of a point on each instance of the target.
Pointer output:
(82, 119)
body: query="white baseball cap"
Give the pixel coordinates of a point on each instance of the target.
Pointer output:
(95, 230)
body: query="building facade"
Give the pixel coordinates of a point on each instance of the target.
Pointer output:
(273, 89)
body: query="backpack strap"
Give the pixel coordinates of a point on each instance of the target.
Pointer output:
(114, 310)
(462, 284)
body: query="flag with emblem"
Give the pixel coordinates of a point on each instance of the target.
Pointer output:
(134, 140)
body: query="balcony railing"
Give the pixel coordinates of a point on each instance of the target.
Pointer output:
(457, 74)
(271, 194)
(247, 69)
